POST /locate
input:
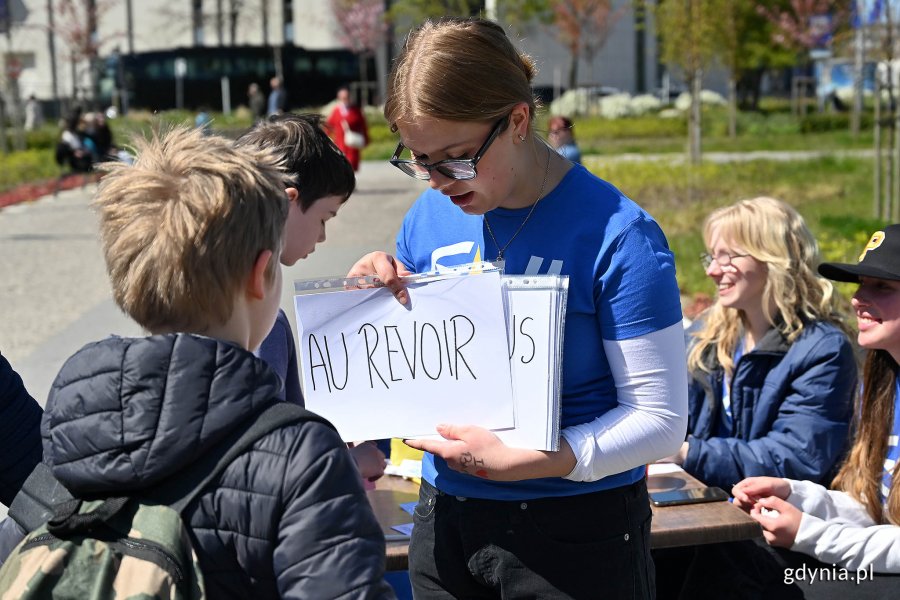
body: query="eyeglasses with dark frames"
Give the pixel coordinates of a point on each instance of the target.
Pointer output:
(724, 259)
(454, 168)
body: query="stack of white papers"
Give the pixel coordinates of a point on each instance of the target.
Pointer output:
(535, 309)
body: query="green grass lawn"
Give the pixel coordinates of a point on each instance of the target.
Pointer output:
(833, 195)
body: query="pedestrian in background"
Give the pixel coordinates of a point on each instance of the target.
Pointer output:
(348, 127)
(34, 114)
(562, 138)
(257, 102)
(278, 100)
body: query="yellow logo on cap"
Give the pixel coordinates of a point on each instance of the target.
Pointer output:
(877, 239)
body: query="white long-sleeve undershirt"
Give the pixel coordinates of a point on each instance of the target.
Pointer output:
(650, 420)
(837, 529)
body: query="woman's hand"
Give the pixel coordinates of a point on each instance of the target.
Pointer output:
(749, 491)
(369, 460)
(480, 453)
(388, 269)
(779, 519)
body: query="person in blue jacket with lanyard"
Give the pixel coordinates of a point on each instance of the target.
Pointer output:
(772, 375)
(772, 371)
(494, 521)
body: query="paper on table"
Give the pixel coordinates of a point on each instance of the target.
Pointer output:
(663, 468)
(405, 528)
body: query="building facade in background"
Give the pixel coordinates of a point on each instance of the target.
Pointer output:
(57, 51)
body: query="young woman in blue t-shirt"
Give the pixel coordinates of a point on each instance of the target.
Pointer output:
(492, 520)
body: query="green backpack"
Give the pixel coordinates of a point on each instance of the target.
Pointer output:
(128, 547)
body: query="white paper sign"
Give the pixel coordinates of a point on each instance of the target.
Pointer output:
(377, 369)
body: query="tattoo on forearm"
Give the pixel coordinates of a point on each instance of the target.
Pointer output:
(467, 460)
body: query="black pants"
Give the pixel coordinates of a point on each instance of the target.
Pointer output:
(593, 546)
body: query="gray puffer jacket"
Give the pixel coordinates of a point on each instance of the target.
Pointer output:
(288, 518)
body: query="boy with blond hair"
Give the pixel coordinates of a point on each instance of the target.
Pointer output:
(192, 235)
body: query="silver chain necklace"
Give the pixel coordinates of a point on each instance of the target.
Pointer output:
(500, 250)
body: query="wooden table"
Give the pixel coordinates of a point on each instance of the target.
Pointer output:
(695, 524)
(686, 525)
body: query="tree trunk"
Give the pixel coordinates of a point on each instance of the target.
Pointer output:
(129, 26)
(51, 48)
(73, 63)
(233, 15)
(876, 194)
(4, 145)
(858, 60)
(264, 9)
(18, 118)
(573, 68)
(732, 105)
(895, 151)
(92, 47)
(363, 79)
(889, 120)
(694, 121)
(220, 23)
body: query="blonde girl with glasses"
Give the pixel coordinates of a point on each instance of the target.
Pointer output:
(573, 523)
(771, 380)
(772, 371)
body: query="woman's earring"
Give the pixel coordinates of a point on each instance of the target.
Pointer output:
(522, 138)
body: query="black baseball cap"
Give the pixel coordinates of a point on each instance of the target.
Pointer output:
(880, 258)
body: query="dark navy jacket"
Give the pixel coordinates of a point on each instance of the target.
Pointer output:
(791, 407)
(20, 433)
(279, 352)
(288, 518)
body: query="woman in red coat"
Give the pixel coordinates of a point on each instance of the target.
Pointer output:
(348, 128)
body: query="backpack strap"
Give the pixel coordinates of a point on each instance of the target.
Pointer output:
(34, 503)
(68, 519)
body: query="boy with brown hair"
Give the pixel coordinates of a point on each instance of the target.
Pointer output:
(192, 235)
(323, 181)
